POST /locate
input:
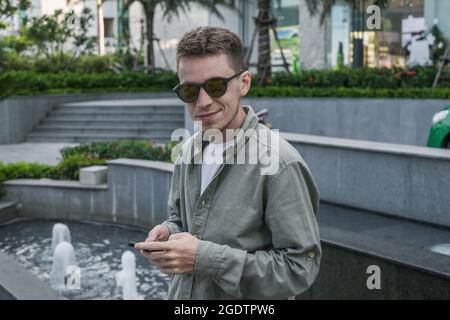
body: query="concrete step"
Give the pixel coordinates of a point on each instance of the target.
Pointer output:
(62, 137)
(99, 123)
(161, 102)
(124, 109)
(123, 116)
(8, 211)
(154, 119)
(74, 130)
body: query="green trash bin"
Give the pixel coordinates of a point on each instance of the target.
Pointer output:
(439, 136)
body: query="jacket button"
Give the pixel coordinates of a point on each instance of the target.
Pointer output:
(311, 254)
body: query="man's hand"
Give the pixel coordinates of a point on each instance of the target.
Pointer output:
(158, 233)
(177, 255)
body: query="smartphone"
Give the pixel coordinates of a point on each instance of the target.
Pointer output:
(132, 243)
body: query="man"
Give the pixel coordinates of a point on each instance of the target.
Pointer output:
(233, 231)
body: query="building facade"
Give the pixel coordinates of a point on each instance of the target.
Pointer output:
(306, 41)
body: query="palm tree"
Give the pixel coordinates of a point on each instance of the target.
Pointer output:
(171, 8)
(264, 16)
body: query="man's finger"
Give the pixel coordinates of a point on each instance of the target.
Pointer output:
(152, 246)
(179, 235)
(157, 256)
(151, 236)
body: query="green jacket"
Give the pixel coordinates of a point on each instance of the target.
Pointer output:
(258, 235)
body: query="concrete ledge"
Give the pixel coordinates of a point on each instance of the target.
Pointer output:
(400, 180)
(93, 176)
(53, 184)
(369, 146)
(157, 165)
(136, 194)
(343, 275)
(7, 211)
(353, 240)
(17, 283)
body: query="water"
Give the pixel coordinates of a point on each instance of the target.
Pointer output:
(63, 258)
(60, 233)
(98, 251)
(126, 278)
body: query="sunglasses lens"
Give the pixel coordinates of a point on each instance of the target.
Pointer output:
(188, 92)
(216, 87)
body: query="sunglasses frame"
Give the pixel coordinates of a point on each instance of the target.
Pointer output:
(203, 85)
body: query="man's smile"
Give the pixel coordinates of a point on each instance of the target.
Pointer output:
(206, 116)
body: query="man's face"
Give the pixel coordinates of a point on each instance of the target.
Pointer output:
(216, 113)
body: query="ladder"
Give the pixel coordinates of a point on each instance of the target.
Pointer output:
(445, 60)
(261, 23)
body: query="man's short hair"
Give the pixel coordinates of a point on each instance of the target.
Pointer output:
(203, 41)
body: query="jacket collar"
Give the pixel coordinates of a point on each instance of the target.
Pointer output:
(240, 139)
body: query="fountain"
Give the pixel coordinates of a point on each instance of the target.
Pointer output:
(98, 257)
(60, 233)
(126, 279)
(63, 260)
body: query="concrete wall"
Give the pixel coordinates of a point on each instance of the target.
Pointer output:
(405, 181)
(343, 275)
(403, 121)
(19, 115)
(136, 194)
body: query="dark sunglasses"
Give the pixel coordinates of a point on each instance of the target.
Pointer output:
(215, 87)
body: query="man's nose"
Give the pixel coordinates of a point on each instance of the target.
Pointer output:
(203, 100)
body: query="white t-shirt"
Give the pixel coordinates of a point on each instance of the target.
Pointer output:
(212, 160)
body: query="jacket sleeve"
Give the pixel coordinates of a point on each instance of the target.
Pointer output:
(291, 266)
(174, 223)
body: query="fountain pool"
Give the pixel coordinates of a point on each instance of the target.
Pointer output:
(98, 250)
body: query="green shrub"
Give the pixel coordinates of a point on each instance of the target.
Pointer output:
(375, 78)
(23, 170)
(402, 93)
(69, 168)
(108, 150)
(19, 82)
(383, 83)
(85, 155)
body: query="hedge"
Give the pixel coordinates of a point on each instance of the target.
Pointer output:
(376, 83)
(85, 155)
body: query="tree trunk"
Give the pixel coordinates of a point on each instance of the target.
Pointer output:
(101, 28)
(149, 17)
(264, 37)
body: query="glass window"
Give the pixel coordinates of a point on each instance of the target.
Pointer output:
(287, 15)
(401, 21)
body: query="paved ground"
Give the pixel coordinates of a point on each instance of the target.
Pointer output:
(32, 152)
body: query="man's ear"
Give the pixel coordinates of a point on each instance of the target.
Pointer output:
(246, 83)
